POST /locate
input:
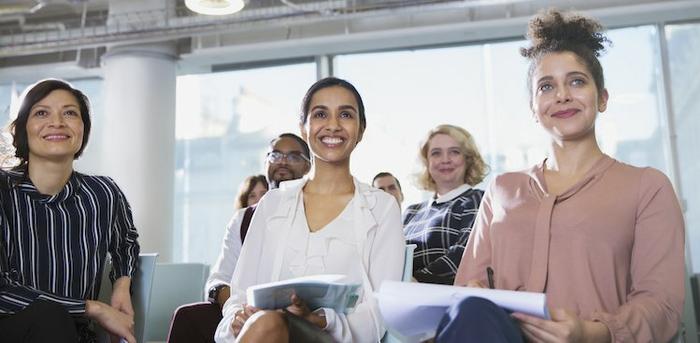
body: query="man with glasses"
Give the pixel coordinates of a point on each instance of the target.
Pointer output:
(287, 159)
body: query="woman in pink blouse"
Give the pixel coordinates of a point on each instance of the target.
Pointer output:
(604, 240)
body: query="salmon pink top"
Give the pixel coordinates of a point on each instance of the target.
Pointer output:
(610, 248)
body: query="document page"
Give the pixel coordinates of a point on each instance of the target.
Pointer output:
(415, 309)
(318, 291)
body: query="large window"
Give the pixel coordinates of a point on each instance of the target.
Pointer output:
(8, 94)
(483, 89)
(403, 99)
(632, 129)
(91, 160)
(224, 123)
(684, 47)
(8, 102)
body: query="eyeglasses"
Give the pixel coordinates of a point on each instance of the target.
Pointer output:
(291, 158)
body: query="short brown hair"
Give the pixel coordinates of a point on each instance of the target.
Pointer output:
(383, 174)
(30, 97)
(247, 187)
(476, 168)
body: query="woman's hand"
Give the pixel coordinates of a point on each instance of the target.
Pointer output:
(564, 327)
(115, 322)
(224, 294)
(241, 317)
(121, 297)
(475, 284)
(121, 300)
(299, 308)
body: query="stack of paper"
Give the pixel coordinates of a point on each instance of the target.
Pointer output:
(327, 291)
(414, 309)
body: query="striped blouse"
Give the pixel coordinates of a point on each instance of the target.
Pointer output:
(54, 247)
(440, 227)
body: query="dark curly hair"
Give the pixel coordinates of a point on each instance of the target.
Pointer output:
(555, 31)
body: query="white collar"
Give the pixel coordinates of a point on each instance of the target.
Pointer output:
(291, 189)
(452, 194)
(364, 221)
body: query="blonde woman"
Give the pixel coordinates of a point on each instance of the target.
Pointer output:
(440, 226)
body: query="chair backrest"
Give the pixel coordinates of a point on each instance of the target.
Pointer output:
(408, 262)
(141, 286)
(175, 284)
(688, 330)
(390, 336)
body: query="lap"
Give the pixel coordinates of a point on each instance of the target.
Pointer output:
(301, 330)
(194, 323)
(477, 320)
(204, 310)
(41, 321)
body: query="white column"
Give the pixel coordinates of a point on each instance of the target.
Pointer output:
(138, 143)
(325, 66)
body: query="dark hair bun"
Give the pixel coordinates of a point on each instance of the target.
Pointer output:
(553, 30)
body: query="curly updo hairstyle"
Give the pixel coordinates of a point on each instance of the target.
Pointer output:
(555, 31)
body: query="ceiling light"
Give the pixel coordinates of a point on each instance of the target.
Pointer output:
(215, 7)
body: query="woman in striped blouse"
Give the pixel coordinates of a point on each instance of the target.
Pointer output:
(57, 226)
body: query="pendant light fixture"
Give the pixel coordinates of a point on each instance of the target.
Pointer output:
(215, 7)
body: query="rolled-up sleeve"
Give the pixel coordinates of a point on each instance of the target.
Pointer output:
(247, 274)
(14, 297)
(222, 272)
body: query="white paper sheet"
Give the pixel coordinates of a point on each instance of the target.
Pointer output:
(327, 291)
(415, 309)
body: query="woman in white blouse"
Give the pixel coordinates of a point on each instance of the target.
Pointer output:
(328, 223)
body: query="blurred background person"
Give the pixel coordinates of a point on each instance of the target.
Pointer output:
(390, 184)
(288, 158)
(251, 191)
(440, 226)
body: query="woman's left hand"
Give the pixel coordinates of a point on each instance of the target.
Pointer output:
(564, 327)
(299, 308)
(121, 300)
(121, 297)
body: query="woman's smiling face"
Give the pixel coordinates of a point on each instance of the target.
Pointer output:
(565, 99)
(55, 127)
(332, 128)
(446, 162)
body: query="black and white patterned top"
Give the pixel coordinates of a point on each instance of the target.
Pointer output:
(53, 247)
(440, 227)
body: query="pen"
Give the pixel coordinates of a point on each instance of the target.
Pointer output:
(489, 276)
